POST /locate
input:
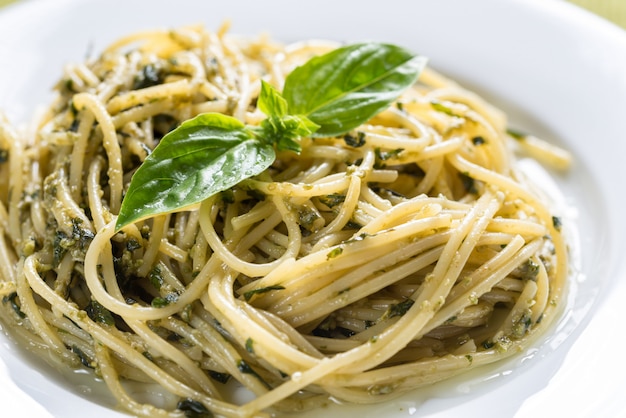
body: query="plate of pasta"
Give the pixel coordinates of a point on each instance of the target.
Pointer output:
(253, 209)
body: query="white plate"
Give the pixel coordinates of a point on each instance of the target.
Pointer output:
(558, 71)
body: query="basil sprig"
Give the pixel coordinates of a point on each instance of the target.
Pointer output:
(328, 96)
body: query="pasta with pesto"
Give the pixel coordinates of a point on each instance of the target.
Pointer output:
(406, 251)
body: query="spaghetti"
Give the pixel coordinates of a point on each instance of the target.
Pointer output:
(400, 254)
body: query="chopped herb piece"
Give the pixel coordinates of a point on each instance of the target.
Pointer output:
(335, 252)
(478, 140)
(386, 155)
(193, 409)
(81, 235)
(161, 302)
(220, 377)
(469, 184)
(249, 345)
(529, 270)
(440, 107)
(353, 141)
(248, 295)
(244, 367)
(515, 134)
(99, 313)
(74, 126)
(503, 344)
(557, 223)
(307, 217)
(13, 300)
(155, 277)
(332, 200)
(84, 360)
(132, 244)
(399, 309)
(522, 325)
(60, 244)
(149, 76)
(4, 155)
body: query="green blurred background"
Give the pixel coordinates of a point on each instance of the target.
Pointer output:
(613, 10)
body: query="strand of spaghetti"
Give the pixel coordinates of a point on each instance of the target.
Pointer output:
(256, 214)
(120, 74)
(294, 235)
(100, 246)
(111, 378)
(110, 143)
(33, 313)
(419, 313)
(346, 211)
(543, 291)
(194, 375)
(408, 144)
(492, 115)
(495, 270)
(64, 275)
(154, 242)
(433, 151)
(215, 346)
(77, 159)
(316, 264)
(304, 313)
(94, 194)
(498, 180)
(37, 209)
(65, 210)
(143, 112)
(230, 258)
(430, 297)
(229, 354)
(7, 261)
(301, 190)
(222, 304)
(477, 281)
(102, 335)
(175, 89)
(353, 271)
(6, 288)
(517, 226)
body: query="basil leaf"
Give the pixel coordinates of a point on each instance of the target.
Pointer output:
(203, 156)
(270, 101)
(347, 86)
